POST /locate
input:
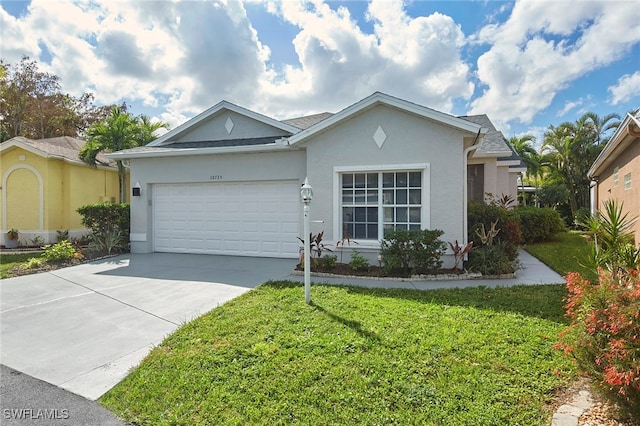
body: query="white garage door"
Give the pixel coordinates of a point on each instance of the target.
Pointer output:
(246, 219)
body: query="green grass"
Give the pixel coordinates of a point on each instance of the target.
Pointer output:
(476, 356)
(567, 253)
(8, 261)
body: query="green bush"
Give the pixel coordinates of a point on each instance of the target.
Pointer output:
(328, 262)
(57, 252)
(358, 262)
(32, 263)
(109, 223)
(412, 252)
(539, 224)
(506, 221)
(491, 260)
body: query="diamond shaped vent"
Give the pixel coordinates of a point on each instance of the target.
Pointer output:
(379, 137)
(228, 125)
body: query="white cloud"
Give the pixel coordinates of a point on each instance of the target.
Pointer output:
(568, 106)
(184, 56)
(193, 54)
(543, 47)
(413, 58)
(628, 88)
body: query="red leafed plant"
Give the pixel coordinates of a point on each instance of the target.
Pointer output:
(604, 334)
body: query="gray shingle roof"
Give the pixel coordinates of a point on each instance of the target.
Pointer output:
(307, 121)
(64, 146)
(494, 141)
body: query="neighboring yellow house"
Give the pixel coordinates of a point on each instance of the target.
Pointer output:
(44, 182)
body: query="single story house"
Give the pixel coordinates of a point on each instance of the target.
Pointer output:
(615, 174)
(44, 182)
(228, 181)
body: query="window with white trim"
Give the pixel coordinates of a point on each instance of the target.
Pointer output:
(627, 181)
(616, 176)
(375, 203)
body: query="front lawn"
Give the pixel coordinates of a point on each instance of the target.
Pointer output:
(568, 252)
(476, 356)
(8, 261)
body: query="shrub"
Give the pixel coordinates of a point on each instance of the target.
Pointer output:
(33, 263)
(107, 221)
(62, 235)
(58, 252)
(487, 216)
(37, 241)
(539, 224)
(612, 239)
(328, 262)
(107, 241)
(491, 260)
(358, 262)
(604, 335)
(417, 251)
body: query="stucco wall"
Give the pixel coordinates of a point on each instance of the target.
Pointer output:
(64, 187)
(243, 127)
(627, 162)
(22, 197)
(23, 175)
(410, 140)
(283, 165)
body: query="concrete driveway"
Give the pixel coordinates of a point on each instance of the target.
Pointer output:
(82, 328)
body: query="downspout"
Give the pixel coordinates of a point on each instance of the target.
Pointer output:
(465, 202)
(593, 192)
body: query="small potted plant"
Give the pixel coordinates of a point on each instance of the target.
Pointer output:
(12, 238)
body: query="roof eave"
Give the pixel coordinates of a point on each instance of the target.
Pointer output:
(383, 99)
(185, 152)
(35, 151)
(617, 140)
(184, 127)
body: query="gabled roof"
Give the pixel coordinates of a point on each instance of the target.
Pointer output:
(64, 147)
(223, 105)
(308, 120)
(627, 132)
(494, 144)
(379, 98)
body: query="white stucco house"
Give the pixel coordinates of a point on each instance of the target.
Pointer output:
(228, 180)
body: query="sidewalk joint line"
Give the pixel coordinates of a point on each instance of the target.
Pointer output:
(114, 299)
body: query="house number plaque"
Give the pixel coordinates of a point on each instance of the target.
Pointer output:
(215, 177)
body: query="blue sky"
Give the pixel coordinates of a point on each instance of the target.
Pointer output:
(525, 64)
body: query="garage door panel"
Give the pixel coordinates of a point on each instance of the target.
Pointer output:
(252, 219)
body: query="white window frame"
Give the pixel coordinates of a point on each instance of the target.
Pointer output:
(425, 213)
(627, 181)
(616, 177)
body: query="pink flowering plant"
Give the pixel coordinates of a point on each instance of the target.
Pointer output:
(604, 334)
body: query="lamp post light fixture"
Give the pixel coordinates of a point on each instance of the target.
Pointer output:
(306, 194)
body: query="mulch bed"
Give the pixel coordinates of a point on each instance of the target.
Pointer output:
(371, 271)
(18, 270)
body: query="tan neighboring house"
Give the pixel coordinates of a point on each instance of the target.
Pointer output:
(44, 182)
(615, 175)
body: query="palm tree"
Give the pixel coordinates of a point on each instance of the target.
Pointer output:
(602, 125)
(570, 150)
(120, 130)
(529, 156)
(558, 156)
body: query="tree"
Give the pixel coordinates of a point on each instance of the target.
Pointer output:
(529, 156)
(120, 130)
(32, 104)
(570, 150)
